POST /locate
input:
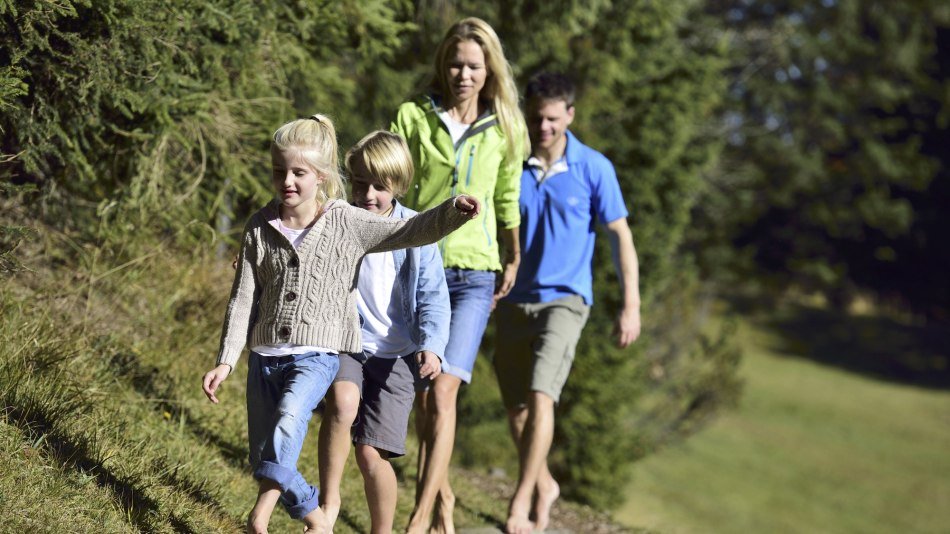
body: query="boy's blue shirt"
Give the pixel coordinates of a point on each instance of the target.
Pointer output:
(558, 220)
(422, 291)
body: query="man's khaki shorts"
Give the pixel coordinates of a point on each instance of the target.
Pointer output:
(534, 346)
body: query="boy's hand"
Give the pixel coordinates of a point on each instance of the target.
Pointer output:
(429, 364)
(213, 379)
(468, 205)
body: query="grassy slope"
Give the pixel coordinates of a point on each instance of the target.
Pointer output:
(811, 449)
(104, 425)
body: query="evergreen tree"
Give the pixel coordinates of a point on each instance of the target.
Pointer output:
(154, 118)
(836, 158)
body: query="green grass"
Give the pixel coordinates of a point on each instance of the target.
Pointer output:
(812, 448)
(104, 427)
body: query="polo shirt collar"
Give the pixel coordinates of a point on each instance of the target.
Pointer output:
(560, 166)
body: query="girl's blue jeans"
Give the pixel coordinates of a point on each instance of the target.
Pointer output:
(282, 392)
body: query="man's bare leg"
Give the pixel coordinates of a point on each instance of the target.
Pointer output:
(439, 439)
(379, 482)
(533, 432)
(267, 494)
(342, 405)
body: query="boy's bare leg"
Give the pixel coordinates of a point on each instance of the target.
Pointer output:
(379, 482)
(421, 419)
(342, 404)
(440, 439)
(533, 431)
(267, 495)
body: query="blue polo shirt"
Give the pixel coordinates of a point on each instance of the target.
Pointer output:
(559, 212)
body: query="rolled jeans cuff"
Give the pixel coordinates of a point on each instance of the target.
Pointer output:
(298, 497)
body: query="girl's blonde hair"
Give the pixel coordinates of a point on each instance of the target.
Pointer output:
(315, 139)
(499, 88)
(386, 156)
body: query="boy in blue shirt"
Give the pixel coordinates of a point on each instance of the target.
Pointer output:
(566, 189)
(403, 302)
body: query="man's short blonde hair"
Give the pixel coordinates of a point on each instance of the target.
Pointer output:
(386, 156)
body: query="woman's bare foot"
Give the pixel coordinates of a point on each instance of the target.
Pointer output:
(444, 513)
(547, 495)
(417, 524)
(316, 522)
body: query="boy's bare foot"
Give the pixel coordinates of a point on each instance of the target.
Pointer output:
(331, 511)
(444, 522)
(543, 504)
(518, 521)
(316, 522)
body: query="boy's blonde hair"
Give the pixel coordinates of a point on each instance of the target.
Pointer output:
(500, 88)
(386, 156)
(315, 139)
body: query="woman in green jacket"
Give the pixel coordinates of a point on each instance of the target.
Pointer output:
(467, 135)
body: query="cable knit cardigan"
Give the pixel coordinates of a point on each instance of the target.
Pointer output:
(307, 296)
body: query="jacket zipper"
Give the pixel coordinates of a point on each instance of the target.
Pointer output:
(485, 221)
(471, 160)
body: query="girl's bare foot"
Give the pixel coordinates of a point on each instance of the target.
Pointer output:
(316, 522)
(256, 524)
(331, 511)
(543, 504)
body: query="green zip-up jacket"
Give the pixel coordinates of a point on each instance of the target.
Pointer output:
(477, 165)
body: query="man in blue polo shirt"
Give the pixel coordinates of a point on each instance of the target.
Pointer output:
(566, 189)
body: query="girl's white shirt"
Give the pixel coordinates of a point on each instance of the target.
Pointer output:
(295, 237)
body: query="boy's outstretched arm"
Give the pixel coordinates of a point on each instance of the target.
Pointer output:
(213, 379)
(627, 327)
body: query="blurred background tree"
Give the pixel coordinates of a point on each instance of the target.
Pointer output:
(834, 178)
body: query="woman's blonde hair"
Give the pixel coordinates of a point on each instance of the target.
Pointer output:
(500, 88)
(315, 139)
(386, 156)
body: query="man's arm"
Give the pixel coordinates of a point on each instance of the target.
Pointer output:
(627, 328)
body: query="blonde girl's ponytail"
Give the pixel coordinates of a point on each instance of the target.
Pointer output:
(315, 139)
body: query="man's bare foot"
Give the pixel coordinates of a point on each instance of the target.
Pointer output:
(316, 522)
(519, 524)
(331, 511)
(518, 521)
(444, 522)
(543, 504)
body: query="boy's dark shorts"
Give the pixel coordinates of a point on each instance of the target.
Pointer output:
(387, 390)
(534, 346)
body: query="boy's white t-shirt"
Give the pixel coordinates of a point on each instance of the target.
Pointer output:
(295, 237)
(456, 129)
(385, 331)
